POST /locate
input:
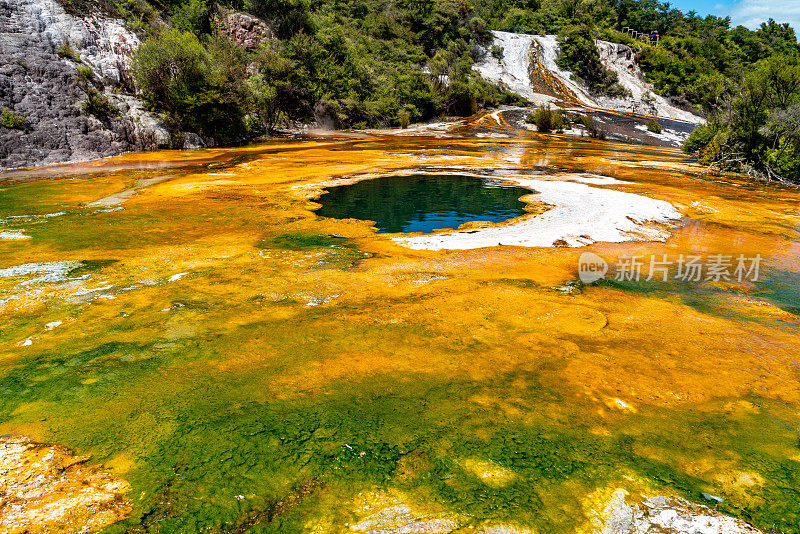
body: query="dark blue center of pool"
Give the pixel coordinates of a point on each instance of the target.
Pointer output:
(422, 203)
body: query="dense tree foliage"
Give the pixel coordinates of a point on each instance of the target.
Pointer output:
(757, 129)
(199, 87)
(702, 62)
(355, 63)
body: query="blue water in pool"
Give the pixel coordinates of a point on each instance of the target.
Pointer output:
(423, 203)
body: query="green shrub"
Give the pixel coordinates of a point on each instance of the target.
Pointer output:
(263, 97)
(579, 54)
(582, 120)
(200, 89)
(593, 128)
(540, 118)
(597, 132)
(84, 75)
(85, 78)
(270, 95)
(558, 121)
(289, 17)
(11, 119)
(700, 137)
(97, 104)
(614, 36)
(653, 126)
(530, 118)
(191, 16)
(65, 50)
(139, 14)
(784, 159)
(479, 30)
(547, 120)
(171, 68)
(404, 118)
(587, 121)
(757, 131)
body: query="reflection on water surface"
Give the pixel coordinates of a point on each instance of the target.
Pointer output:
(422, 203)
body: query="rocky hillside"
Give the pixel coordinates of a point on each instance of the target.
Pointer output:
(526, 64)
(65, 79)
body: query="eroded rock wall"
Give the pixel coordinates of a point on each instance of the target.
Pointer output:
(243, 29)
(38, 80)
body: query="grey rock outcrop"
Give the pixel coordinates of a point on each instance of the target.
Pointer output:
(245, 30)
(41, 48)
(664, 515)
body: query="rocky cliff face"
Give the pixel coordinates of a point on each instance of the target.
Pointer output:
(245, 30)
(41, 48)
(528, 67)
(642, 98)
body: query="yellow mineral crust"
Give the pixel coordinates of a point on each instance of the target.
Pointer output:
(45, 488)
(201, 280)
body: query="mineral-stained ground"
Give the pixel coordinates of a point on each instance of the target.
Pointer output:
(186, 321)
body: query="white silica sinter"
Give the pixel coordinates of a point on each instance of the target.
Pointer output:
(621, 60)
(595, 179)
(511, 70)
(548, 56)
(103, 42)
(665, 514)
(672, 136)
(48, 272)
(522, 53)
(31, 218)
(13, 235)
(580, 215)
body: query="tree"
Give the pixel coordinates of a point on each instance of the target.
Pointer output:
(782, 132)
(197, 91)
(270, 91)
(171, 67)
(757, 129)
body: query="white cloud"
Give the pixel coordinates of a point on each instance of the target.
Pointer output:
(752, 13)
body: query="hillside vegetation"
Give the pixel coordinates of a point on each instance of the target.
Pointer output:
(359, 63)
(756, 127)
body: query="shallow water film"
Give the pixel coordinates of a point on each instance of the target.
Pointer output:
(188, 321)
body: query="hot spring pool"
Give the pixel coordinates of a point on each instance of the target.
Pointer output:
(423, 203)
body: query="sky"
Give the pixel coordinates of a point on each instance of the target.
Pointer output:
(748, 13)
